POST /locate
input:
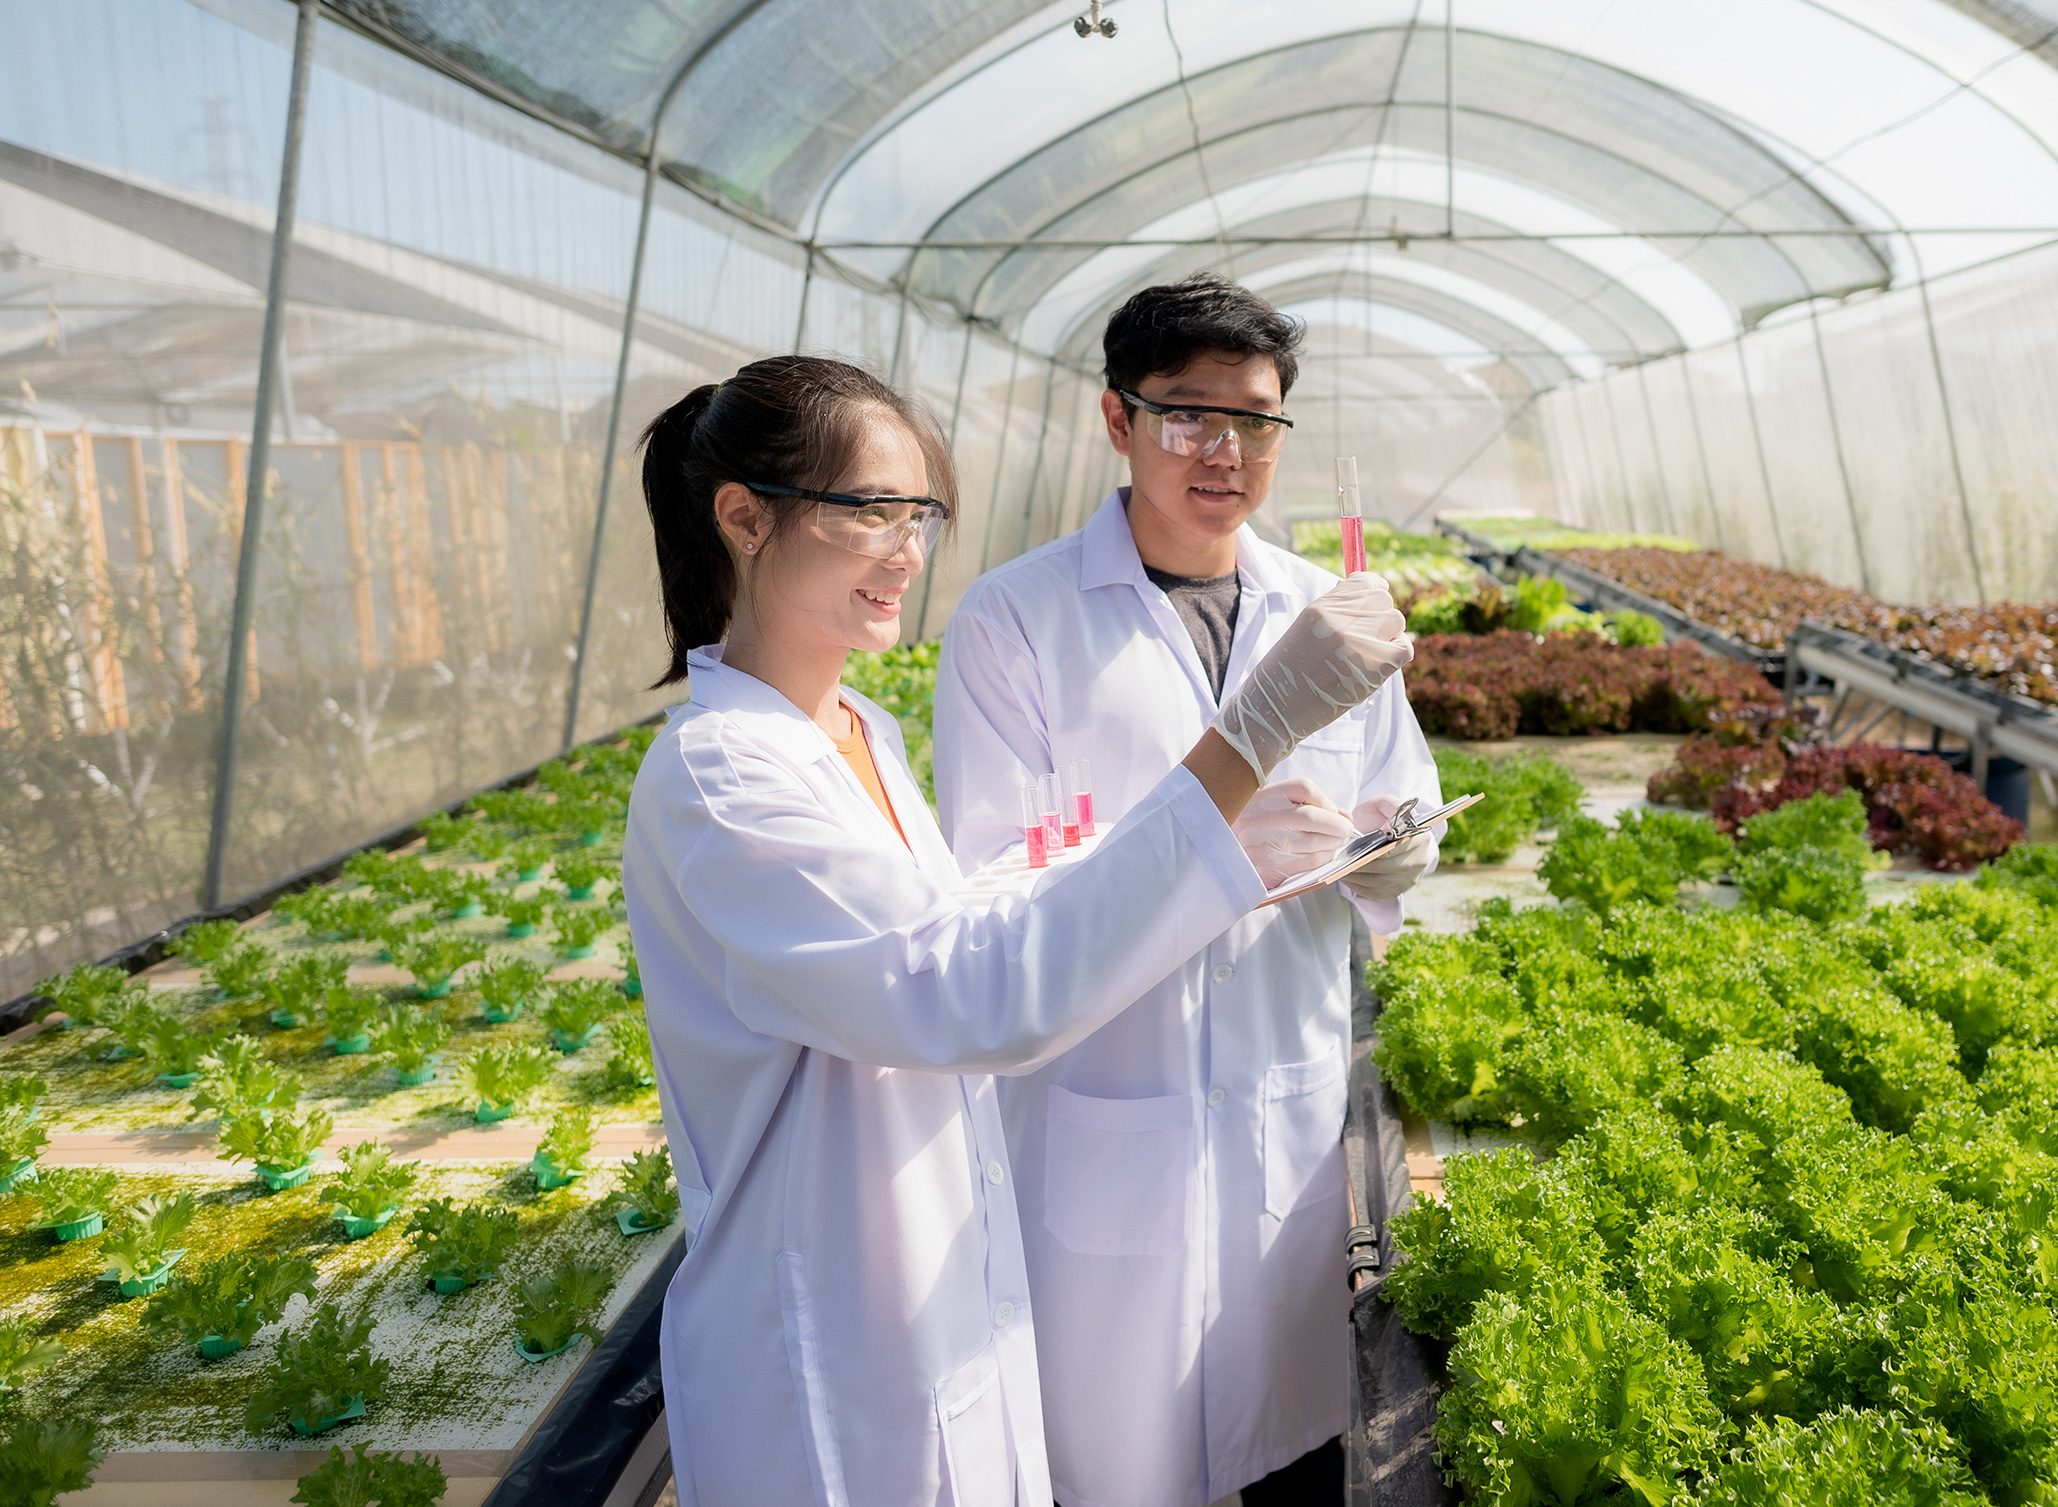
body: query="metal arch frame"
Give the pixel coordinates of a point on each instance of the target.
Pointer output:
(1719, 120)
(1769, 238)
(1628, 344)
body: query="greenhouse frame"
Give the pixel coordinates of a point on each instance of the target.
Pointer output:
(329, 330)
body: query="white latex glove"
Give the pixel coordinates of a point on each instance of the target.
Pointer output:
(1342, 648)
(1394, 872)
(1289, 828)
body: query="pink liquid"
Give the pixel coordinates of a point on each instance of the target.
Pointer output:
(1039, 846)
(1071, 834)
(1053, 831)
(1086, 813)
(1353, 544)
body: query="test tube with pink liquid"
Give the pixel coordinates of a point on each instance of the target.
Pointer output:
(1048, 803)
(1350, 516)
(1078, 776)
(1033, 834)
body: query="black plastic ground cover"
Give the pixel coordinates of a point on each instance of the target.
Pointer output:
(578, 1451)
(1395, 1375)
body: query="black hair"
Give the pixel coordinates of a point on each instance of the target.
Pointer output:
(1162, 330)
(789, 420)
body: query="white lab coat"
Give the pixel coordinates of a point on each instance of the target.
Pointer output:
(851, 1321)
(1179, 1173)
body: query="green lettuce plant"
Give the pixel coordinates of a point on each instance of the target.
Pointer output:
(174, 1046)
(230, 1298)
(372, 1479)
(144, 1241)
(441, 831)
(576, 1008)
(239, 1078)
(371, 1182)
(22, 1091)
(298, 987)
(506, 987)
(21, 1141)
(241, 970)
(1849, 1455)
(276, 1140)
(645, 1186)
(436, 958)
(575, 930)
(409, 1038)
(526, 858)
(1812, 883)
(204, 941)
(317, 1373)
(348, 1012)
(555, 1307)
(502, 1076)
(90, 994)
(567, 1146)
(67, 1195)
(464, 1244)
(22, 1350)
(629, 1062)
(44, 1459)
(522, 913)
(579, 873)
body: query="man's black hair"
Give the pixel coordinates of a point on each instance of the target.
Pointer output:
(1162, 329)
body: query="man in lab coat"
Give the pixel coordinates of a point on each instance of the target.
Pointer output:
(1180, 1173)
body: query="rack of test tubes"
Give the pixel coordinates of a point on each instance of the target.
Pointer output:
(1057, 811)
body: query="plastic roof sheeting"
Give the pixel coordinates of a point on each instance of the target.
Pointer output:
(1712, 165)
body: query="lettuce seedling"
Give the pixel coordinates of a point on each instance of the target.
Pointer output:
(467, 1243)
(554, 1307)
(22, 1350)
(318, 1372)
(231, 1297)
(372, 1479)
(371, 1182)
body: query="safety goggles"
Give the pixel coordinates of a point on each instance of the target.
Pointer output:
(875, 526)
(1198, 428)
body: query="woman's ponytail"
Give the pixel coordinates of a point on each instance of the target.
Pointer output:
(695, 576)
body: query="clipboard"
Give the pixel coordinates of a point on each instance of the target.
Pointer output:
(1365, 847)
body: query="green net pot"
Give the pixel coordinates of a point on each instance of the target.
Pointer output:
(21, 1172)
(279, 1179)
(464, 912)
(149, 1282)
(630, 1222)
(179, 1080)
(438, 990)
(357, 1226)
(549, 1175)
(322, 1425)
(530, 875)
(286, 1020)
(592, 839)
(633, 986)
(572, 954)
(79, 1229)
(488, 1114)
(499, 1017)
(415, 1077)
(351, 1046)
(537, 1357)
(569, 1044)
(581, 891)
(521, 928)
(447, 1283)
(214, 1347)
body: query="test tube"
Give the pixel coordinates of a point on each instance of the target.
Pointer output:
(1053, 822)
(1037, 840)
(1078, 802)
(1350, 516)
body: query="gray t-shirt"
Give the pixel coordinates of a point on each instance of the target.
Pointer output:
(1208, 608)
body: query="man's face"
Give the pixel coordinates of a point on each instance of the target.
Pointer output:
(1197, 499)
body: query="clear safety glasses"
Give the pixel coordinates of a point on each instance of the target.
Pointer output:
(1199, 428)
(875, 526)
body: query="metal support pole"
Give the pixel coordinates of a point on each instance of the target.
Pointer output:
(1628, 523)
(1836, 439)
(1450, 157)
(1693, 408)
(607, 451)
(900, 341)
(1050, 382)
(256, 481)
(1657, 452)
(1936, 357)
(957, 404)
(807, 286)
(1764, 468)
(1000, 461)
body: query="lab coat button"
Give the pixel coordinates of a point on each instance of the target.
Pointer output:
(994, 1173)
(1223, 973)
(1215, 1098)
(1003, 1314)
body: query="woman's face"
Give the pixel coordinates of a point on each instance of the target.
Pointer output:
(814, 586)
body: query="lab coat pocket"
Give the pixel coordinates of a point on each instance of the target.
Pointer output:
(1116, 1173)
(971, 1415)
(1304, 1105)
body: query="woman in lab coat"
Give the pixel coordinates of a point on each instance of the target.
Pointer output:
(851, 1323)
